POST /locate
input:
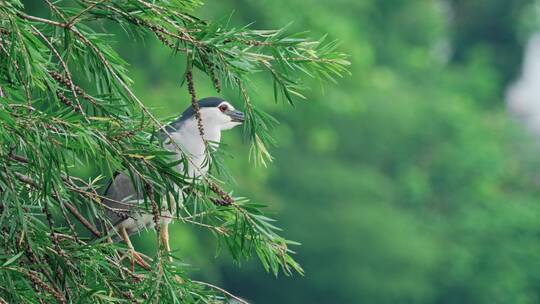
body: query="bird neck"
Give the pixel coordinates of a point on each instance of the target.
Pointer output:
(188, 137)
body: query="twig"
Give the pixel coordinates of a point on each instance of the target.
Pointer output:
(183, 31)
(68, 221)
(73, 20)
(55, 9)
(83, 220)
(42, 20)
(221, 290)
(32, 275)
(65, 68)
(27, 180)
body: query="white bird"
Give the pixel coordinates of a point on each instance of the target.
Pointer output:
(217, 115)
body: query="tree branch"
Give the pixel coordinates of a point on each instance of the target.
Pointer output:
(27, 180)
(74, 20)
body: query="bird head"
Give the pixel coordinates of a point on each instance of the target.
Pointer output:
(216, 113)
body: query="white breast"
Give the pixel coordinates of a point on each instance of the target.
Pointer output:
(188, 138)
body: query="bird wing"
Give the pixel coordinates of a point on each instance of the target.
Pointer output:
(122, 196)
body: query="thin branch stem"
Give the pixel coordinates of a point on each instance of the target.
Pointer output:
(42, 20)
(66, 70)
(221, 290)
(77, 17)
(27, 180)
(55, 9)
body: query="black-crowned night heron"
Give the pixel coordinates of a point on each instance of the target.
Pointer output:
(216, 115)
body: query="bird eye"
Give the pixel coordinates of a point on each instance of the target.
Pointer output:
(223, 108)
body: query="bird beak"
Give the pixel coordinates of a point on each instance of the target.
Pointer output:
(236, 116)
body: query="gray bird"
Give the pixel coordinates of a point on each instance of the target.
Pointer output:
(122, 194)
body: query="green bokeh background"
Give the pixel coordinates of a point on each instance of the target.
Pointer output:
(406, 182)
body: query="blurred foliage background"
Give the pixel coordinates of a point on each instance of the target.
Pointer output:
(407, 182)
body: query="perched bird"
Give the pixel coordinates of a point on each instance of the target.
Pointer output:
(123, 193)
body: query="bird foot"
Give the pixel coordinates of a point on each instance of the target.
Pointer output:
(135, 258)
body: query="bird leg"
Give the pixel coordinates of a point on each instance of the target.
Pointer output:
(164, 235)
(135, 256)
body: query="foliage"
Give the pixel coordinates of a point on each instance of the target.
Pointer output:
(66, 102)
